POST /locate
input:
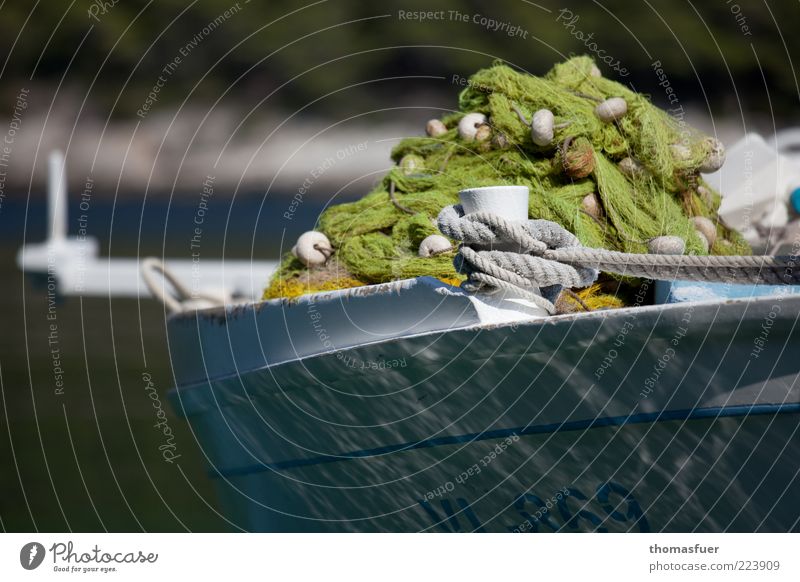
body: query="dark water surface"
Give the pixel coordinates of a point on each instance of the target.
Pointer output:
(79, 405)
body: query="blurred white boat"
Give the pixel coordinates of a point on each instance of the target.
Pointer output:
(73, 265)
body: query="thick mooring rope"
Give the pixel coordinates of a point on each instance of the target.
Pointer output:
(546, 256)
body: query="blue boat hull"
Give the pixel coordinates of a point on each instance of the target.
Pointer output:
(731, 473)
(671, 418)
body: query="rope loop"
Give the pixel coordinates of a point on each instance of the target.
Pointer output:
(525, 270)
(546, 257)
(156, 275)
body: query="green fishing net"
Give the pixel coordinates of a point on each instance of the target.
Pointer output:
(583, 180)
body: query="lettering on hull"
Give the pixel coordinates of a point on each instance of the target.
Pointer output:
(612, 507)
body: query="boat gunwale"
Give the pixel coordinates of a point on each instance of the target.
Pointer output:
(223, 312)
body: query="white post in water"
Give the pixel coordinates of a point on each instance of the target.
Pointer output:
(509, 202)
(57, 197)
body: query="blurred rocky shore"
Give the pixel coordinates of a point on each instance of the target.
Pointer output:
(175, 152)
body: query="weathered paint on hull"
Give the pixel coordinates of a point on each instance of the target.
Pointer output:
(729, 474)
(676, 418)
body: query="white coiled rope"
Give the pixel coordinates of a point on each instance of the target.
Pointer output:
(548, 257)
